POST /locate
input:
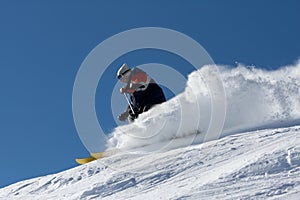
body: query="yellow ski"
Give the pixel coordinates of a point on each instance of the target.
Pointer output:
(82, 161)
(95, 156)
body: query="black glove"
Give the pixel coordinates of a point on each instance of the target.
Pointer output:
(122, 117)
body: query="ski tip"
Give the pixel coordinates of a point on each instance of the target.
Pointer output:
(83, 161)
(93, 156)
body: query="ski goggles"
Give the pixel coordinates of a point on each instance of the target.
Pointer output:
(121, 76)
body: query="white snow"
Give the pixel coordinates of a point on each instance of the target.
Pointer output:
(250, 165)
(257, 157)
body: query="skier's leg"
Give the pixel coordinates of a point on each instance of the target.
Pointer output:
(147, 107)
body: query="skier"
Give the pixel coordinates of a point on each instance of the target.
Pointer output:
(144, 92)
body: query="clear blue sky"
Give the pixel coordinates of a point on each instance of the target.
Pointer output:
(43, 43)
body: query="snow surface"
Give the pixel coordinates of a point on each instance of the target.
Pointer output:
(257, 156)
(253, 165)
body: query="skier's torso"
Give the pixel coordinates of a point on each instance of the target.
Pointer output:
(144, 90)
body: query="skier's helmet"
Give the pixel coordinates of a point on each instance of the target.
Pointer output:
(122, 71)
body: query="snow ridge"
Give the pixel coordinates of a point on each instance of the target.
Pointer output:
(262, 164)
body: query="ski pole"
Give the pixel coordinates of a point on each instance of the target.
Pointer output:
(126, 97)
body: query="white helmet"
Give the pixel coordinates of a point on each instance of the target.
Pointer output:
(122, 71)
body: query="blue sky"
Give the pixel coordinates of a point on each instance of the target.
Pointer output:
(43, 43)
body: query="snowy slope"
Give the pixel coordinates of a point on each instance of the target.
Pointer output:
(253, 165)
(162, 154)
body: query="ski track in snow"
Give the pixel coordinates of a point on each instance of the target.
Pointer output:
(256, 158)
